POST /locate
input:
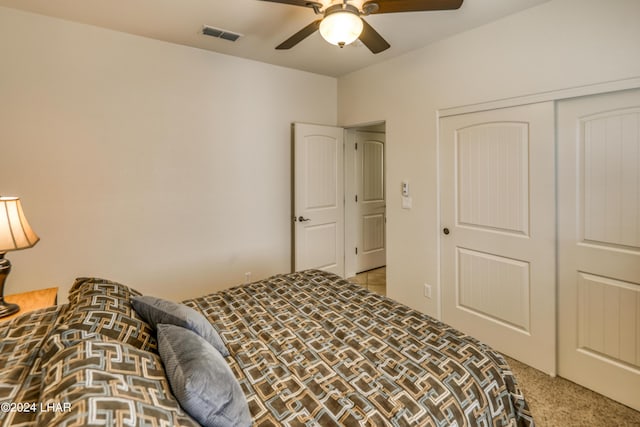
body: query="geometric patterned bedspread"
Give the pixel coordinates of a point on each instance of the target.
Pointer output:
(311, 349)
(90, 363)
(308, 349)
(20, 373)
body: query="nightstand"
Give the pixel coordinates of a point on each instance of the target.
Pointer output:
(32, 300)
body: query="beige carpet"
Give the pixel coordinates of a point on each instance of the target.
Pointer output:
(558, 402)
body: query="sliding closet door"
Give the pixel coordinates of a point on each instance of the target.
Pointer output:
(599, 243)
(498, 229)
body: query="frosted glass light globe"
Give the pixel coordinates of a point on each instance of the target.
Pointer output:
(341, 28)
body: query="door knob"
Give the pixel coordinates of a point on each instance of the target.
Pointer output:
(445, 230)
(303, 219)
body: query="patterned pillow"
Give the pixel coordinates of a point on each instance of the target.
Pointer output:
(83, 287)
(104, 307)
(62, 337)
(102, 383)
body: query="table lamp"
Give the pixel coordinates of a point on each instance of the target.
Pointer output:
(15, 233)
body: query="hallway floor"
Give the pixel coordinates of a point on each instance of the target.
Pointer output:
(374, 280)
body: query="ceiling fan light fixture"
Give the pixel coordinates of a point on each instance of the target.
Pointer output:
(341, 26)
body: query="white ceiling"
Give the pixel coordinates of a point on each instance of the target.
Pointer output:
(264, 25)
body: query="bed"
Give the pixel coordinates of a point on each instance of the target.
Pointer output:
(305, 349)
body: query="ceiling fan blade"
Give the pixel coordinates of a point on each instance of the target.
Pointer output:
(372, 39)
(300, 35)
(393, 6)
(303, 3)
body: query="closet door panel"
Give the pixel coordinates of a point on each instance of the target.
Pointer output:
(599, 243)
(498, 229)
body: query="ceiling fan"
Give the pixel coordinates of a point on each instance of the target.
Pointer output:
(342, 21)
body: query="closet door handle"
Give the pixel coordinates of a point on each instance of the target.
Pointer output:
(445, 231)
(303, 219)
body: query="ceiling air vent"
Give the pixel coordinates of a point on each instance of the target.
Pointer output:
(220, 33)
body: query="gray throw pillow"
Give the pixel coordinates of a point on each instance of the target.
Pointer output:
(201, 379)
(157, 310)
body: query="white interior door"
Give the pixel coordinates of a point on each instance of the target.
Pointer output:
(370, 201)
(498, 229)
(599, 243)
(318, 153)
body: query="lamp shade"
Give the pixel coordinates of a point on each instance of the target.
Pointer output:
(341, 28)
(15, 231)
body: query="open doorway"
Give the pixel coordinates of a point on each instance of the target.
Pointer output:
(365, 207)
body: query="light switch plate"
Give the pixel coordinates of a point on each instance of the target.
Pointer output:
(406, 203)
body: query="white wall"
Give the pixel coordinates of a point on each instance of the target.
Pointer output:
(557, 45)
(164, 167)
